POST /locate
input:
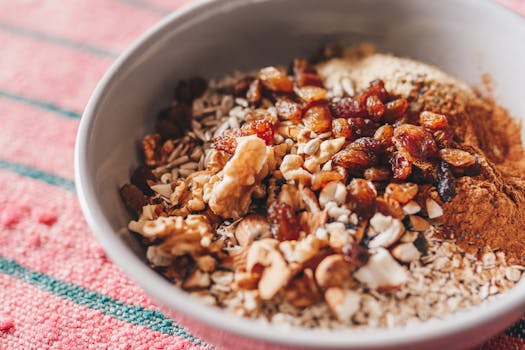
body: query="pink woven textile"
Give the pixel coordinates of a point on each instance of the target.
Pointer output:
(57, 288)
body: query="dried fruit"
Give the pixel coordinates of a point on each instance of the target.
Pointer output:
(376, 88)
(311, 94)
(395, 110)
(457, 158)
(174, 121)
(384, 135)
(375, 107)
(377, 174)
(275, 80)
(446, 183)
(401, 166)
(348, 108)
(340, 128)
(133, 198)
(198, 86)
(356, 255)
(402, 193)
(355, 160)
(262, 128)
(390, 207)
(183, 92)
(254, 93)
(227, 142)
(305, 74)
(417, 142)
(443, 137)
(288, 109)
(362, 127)
(283, 221)
(433, 121)
(362, 194)
(241, 87)
(318, 118)
(142, 177)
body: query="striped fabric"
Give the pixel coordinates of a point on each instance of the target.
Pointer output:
(57, 288)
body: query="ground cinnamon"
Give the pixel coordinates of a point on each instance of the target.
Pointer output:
(488, 211)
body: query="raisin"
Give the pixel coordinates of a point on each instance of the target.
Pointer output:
(176, 121)
(288, 109)
(275, 80)
(377, 174)
(242, 86)
(384, 135)
(311, 94)
(362, 194)
(305, 74)
(141, 178)
(368, 144)
(446, 183)
(183, 92)
(348, 108)
(259, 114)
(376, 88)
(443, 137)
(375, 107)
(402, 193)
(283, 221)
(421, 244)
(433, 121)
(198, 86)
(318, 118)
(401, 166)
(390, 207)
(395, 110)
(227, 142)
(355, 160)
(417, 142)
(340, 128)
(323, 177)
(362, 127)
(261, 127)
(133, 198)
(355, 254)
(457, 158)
(254, 93)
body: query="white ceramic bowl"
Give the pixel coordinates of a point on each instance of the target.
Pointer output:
(466, 38)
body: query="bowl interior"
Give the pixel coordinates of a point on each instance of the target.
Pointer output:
(465, 38)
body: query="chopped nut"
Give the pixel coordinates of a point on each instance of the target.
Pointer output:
(310, 222)
(302, 291)
(388, 229)
(434, 210)
(333, 271)
(158, 257)
(381, 271)
(333, 192)
(251, 228)
(206, 263)
(276, 273)
(411, 208)
(231, 197)
(418, 223)
(402, 193)
(406, 252)
(291, 168)
(196, 280)
(409, 237)
(343, 303)
(310, 200)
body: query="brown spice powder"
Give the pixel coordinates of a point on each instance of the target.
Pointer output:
(488, 210)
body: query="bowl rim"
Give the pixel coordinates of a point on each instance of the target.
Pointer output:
(180, 301)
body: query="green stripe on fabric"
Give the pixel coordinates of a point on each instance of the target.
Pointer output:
(40, 104)
(136, 315)
(36, 174)
(11, 28)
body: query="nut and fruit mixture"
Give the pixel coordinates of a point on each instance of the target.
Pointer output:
(360, 190)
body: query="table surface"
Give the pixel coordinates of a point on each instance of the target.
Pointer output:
(57, 288)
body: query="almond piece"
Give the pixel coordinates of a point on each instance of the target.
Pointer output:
(343, 303)
(411, 208)
(418, 223)
(381, 271)
(406, 252)
(434, 210)
(197, 279)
